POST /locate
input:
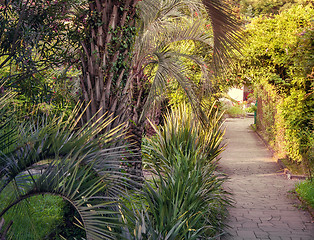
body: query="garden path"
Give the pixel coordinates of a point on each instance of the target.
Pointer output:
(263, 207)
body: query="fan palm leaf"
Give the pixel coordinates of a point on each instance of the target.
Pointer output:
(80, 164)
(162, 16)
(76, 185)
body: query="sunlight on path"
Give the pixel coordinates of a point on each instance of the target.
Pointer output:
(263, 207)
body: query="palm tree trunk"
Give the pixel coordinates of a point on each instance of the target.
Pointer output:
(139, 90)
(109, 85)
(105, 56)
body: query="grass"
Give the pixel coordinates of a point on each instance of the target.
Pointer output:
(34, 218)
(235, 111)
(305, 191)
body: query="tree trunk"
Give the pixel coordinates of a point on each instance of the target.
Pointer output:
(139, 90)
(105, 55)
(109, 85)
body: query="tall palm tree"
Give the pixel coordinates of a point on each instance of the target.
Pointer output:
(109, 36)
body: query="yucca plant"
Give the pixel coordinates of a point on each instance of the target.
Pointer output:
(183, 203)
(81, 165)
(185, 199)
(184, 130)
(212, 132)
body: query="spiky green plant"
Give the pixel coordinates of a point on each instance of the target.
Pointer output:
(7, 123)
(82, 165)
(185, 199)
(185, 131)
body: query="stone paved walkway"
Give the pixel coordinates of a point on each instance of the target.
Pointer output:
(263, 208)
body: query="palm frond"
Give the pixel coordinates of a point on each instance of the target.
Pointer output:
(77, 184)
(8, 128)
(162, 16)
(170, 66)
(83, 165)
(226, 29)
(56, 136)
(153, 51)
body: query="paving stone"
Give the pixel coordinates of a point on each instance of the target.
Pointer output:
(277, 232)
(261, 234)
(281, 225)
(281, 237)
(296, 225)
(307, 238)
(275, 218)
(250, 225)
(275, 238)
(246, 234)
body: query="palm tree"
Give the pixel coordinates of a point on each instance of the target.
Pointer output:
(115, 46)
(162, 24)
(110, 33)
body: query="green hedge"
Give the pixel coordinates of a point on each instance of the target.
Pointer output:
(278, 60)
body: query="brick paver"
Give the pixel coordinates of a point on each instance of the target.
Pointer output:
(263, 207)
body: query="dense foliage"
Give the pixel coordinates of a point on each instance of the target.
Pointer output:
(254, 8)
(52, 52)
(54, 156)
(278, 60)
(185, 199)
(35, 53)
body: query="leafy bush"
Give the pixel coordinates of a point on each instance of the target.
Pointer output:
(251, 109)
(281, 69)
(253, 8)
(235, 110)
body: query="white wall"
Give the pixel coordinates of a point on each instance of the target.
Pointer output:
(236, 94)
